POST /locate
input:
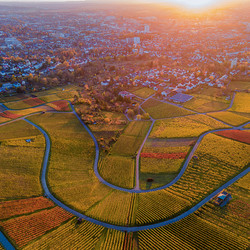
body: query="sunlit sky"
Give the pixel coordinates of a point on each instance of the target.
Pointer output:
(195, 4)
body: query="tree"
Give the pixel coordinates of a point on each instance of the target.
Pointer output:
(138, 117)
(106, 120)
(13, 79)
(131, 113)
(54, 81)
(21, 89)
(44, 81)
(30, 77)
(146, 116)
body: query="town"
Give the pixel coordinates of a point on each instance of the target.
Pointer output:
(124, 124)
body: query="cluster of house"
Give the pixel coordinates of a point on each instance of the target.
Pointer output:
(168, 80)
(101, 35)
(11, 86)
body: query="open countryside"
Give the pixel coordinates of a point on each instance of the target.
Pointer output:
(124, 126)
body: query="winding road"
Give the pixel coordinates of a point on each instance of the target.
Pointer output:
(123, 228)
(4, 241)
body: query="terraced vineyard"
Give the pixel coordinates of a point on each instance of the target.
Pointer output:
(121, 160)
(191, 233)
(159, 109)
(191, 126)
(71, 176)
(230, 117)
(175, 152)
(218, 160)
(20, 163)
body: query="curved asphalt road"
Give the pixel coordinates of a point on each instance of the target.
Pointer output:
(122, 228)
(8, 245)
(5, 242)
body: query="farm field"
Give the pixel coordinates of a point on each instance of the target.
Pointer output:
(208, 100)
(191, 233)
(117, 208)
(162, 164)
(4, 119)
(31, 221)
(218, 160)
(49, 98)
(118, 167)
(20, 163)
(70, 173)
(25, 103)
(159, 109)
(238, 135)
(60, 106)
(230, 118)
(159, 205)
(241, 103)
(247, 126)
(13, 98)
(118, 170)
(24, 229)
(203, 105)
(15, 114)
(143, 92)
(23, 206)
(191, 126)
(131, 139)
(240, 85)
(86, 236)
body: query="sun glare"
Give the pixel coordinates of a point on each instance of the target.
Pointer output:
(196, 4)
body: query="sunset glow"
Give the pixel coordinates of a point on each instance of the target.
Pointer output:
(196, 4)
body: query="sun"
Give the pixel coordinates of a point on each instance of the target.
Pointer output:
(196, 4)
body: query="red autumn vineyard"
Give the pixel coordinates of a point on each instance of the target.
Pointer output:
(8, 114)
(164, 155)
(23, 206)
(60, 105)
(27, 228)
(238, 135)
(34, 101)
(240, 208)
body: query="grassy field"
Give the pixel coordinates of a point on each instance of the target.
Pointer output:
(191, 233)
(240, 85)
(84, 236)
(131, 139)
(205, 105)
(219, 159)
(244, 182)
(117, 208)
(191, 126)
(70, 173)
(241, 103)
(143, 92)
(18, 129)
(208, 99)
(230, 118)
(159, 109)
(50, 98)
(118, 170)
(3, 119)
(23, 229)
(161, 170)
(247, 126)
(21, 162)
(158, 206)
(13, 98)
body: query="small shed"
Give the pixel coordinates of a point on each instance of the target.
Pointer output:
(222, 199)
